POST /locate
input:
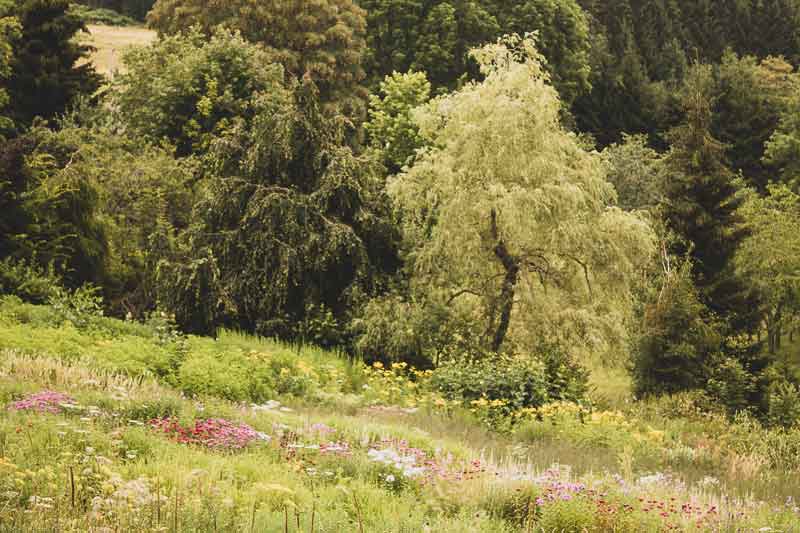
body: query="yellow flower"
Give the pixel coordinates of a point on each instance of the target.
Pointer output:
(377, 364)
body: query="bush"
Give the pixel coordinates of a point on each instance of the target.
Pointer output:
(548, 374)
(136, 9)
(79, 306)
(393, 329)
(732, 385)
(784, 404)
(28, 281)
(519, 382)
(104, 16)
(678, 341)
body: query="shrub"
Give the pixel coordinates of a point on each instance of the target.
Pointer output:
(519, 381)
(30, 282)
(101, 15)
(784, 404)
(678, 340)
(731, 385)
(79, 306)
(393, 329)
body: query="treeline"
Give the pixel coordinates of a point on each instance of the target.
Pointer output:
(429, 182)
(136, 9)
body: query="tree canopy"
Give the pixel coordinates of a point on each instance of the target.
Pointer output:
(323, 39)
(506, 210)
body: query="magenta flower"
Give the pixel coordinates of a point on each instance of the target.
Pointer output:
(216, 433)
(43, 402)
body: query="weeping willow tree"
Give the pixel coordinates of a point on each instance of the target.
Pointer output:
(292, 228)
(512, 216)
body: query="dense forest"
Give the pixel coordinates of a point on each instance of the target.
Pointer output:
(424, 181)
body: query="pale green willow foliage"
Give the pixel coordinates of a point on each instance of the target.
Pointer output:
(499, 147)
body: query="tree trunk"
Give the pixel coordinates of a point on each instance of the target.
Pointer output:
(506, 301)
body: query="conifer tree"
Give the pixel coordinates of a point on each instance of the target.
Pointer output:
(46, 76)
(702, 205)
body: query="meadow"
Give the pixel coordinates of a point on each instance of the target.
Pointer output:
(111, 42)
(112, 425)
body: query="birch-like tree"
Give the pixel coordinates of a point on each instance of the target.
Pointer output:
(510, 214)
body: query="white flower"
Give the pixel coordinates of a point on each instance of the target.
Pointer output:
(389, 478)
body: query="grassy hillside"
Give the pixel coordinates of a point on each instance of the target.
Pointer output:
(112, 41)
(119, 426)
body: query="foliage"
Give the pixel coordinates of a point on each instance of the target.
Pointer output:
(784, 404)
(783, 148)
(768, 256)
(731, 385)
(702, 205)
(28, 281)
(52, 211)
(136, 9)
(141, 191)
(640, 51)
(679, 339)
(562, 37)
(107, 17)
(291, 219)
(189, 90)
(391, 128)
(507, 210)
(751, 97)
(574, 514)
(420, 332)
(637, 173)
(9, 32)
(46, 75)
(325, 45)
(430, 36)
(512, 383)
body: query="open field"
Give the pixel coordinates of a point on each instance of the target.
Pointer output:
(112, 41)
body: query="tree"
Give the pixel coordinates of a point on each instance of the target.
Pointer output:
(678, 340)
(391, 128)
(9, 32)
(562, 38)
(637, 173)
(323, 40)
(702, 205)
(291, 228)
(782, 152)
(187, 90)
(142, 190)
(750, 98)
(507, 211)
(46, 75)
(770, 255)
(136, 9)
(51, 211)
(430, 36)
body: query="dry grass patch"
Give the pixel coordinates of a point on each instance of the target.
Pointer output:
(111, 43)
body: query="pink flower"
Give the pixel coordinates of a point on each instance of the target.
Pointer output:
(212, 433)
(43, 402)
